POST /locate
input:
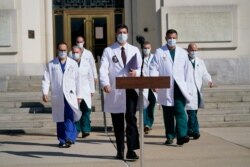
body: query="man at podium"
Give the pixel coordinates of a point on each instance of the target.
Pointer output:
(121, 60)
(171, 60)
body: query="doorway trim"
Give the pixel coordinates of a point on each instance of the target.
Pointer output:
(108, 13)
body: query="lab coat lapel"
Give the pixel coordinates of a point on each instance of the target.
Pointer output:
(167, 53)
(150, 58)
(117, 53)
(67, 65)
(196, 69)
(58, 65)
(176, 56)
(129, 54)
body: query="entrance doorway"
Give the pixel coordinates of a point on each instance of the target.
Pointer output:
(93, 19)
(96, 26)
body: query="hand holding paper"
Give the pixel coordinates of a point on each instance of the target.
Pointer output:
(132, 64)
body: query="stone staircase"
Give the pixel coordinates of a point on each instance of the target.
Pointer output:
(23, 111)
(224, 106)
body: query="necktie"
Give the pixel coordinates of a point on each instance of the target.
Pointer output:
(123, 55)
(193, 63)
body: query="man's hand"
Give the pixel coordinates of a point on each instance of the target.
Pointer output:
(96, 80)
(45, 98)
(132, 73)
(210, 84)
(107, 89)
(79, 101)
(155, 90)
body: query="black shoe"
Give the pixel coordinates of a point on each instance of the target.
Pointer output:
(68, 143)
(169, 141)
(196, 136)
(85, 134)
(146, 129)
(183, 140)
(132, 155)
(60, 145)
(119, 155)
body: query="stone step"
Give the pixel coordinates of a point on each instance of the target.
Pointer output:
(24, 104)
(217, 99)
(26, 124)
(222, 92)
(26, 83)
(224, 124)
(44, 126)
(33, 131)
(26, 117)
(232, 105)
(224, 118)
(29, 110)
(224, 111)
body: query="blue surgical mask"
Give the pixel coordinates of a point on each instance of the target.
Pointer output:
(81, 44)
(146, 52)
(122, 38)
(171, 42)
(62, 54)
(193, 54)
(76, 56)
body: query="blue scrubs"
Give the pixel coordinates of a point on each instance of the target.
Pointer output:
(66, 130)
(193, 123)
(148, 113)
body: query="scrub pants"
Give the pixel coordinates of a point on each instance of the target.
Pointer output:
(83, 125)
(193, 124)
(66, 130)
(176, 113)
(148, 113)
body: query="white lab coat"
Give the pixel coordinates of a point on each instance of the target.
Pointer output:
(146, 73)
(200, 74)
(89, 55)
(180, 71)
(112, 67)
(62, 85)
(86, 78)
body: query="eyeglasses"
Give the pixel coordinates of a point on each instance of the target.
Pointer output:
(63, 50)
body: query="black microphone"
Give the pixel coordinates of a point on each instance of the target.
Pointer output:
(140, 39)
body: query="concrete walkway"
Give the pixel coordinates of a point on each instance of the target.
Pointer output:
(217, 147)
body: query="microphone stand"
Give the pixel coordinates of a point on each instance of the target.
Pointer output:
(141, 106)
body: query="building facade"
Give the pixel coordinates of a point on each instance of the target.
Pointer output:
(30, 29)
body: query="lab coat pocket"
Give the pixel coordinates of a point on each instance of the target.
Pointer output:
(55, 101)
(73, 98)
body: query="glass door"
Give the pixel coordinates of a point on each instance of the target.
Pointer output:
(97, 29)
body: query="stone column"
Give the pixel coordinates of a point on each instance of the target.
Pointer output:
(49, 30)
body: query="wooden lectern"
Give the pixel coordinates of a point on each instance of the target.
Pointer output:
(141, 83)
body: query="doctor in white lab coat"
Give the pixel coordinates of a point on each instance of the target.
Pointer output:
(88, 54)
(148, 112)
(171, 60)
(200, 74)
(85, 76)
(61, 75)
(120, 60)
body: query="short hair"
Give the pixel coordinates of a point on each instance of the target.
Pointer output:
(121, 26)
(171, 31)
(61, 43)
(146, 43)
(76, 47)
(80, 36)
